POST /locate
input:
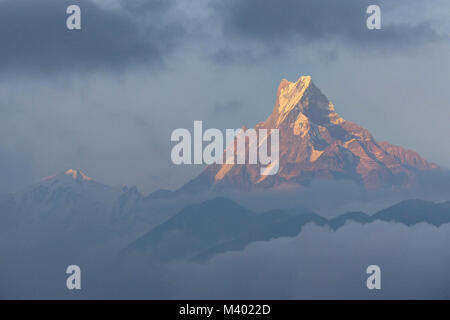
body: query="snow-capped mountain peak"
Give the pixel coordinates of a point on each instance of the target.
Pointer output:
(316, 143)
(302, 101)
(65, 189)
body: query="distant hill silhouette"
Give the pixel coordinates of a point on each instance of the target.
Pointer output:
(219, 225)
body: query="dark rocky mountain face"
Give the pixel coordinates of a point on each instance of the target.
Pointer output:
(316, 143)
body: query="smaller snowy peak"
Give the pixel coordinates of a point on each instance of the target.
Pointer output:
(69, 185)
(77, 175)
(69, 175)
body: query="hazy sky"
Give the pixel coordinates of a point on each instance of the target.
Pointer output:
(105, 99)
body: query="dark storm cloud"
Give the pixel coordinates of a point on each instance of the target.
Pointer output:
(34, 37)
(277, 24)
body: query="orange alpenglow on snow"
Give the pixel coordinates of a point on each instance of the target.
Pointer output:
(316, 143)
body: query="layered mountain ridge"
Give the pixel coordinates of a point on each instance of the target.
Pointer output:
(316, 143)
(201, 231)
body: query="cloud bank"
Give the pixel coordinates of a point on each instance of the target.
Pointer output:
(319, 263)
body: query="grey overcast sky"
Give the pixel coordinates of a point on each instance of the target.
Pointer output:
(105, 98)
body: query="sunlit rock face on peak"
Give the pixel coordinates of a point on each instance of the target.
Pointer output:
(301, 100)
(316, 143)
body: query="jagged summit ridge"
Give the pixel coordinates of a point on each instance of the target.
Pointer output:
(299, 102)
(317, 143)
